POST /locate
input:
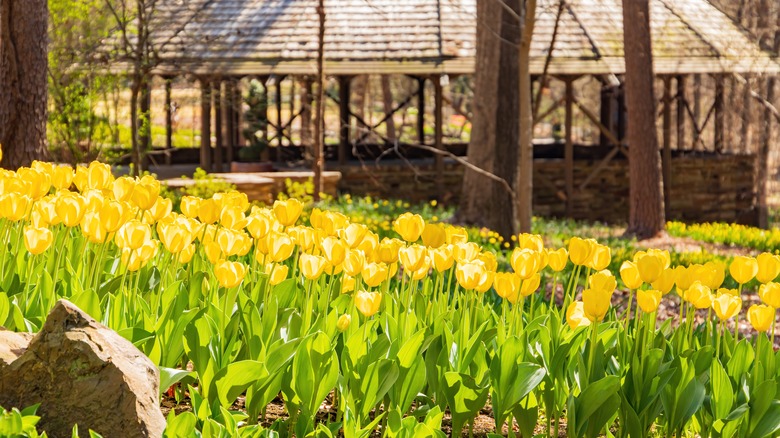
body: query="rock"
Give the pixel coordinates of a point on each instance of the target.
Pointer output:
(82, 372)
(12, 345)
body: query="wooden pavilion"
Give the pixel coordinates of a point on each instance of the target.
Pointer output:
(220, 42)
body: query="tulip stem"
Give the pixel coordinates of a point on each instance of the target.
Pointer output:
(628, 310)
(592, 357)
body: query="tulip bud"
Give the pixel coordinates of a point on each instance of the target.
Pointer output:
(37, 240)
(368, 303)
(648, 300)
(343, 323)
(629, 273)
(761, 317)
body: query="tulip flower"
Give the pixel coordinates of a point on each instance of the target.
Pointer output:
(506, 284)
(145, 193)
(233, 217)
(334, 250)
(770, 294)
(368, 303)
(347, 284)
(190, 206)
(580, 250)
(37, 240)
(743, 269)
(486, 281)
(434, 235)
(650, 267)
(683, 277)
(133, 234)
(465, 252)
(288, 211)
(280, 247)
(92, 228)
(276, 273)
(726, 306)
(414, 257)
(768, 267)
(375, 274)
(456, 235)
(599, 258)
(648, 300)
(70, 208)
(603, 281)
(665, 281)
(303, 237)
(229, 274)
(62, 177)
(525, 262)
(761, 317)
(530, 241)
(489, 260)
(575, 315)
(409, 226)
(312, 266)
(186, 254)
(208, 211)
(343, 322)
(629, 273)
(595, 303)
(557, 259)
(530, 285)
(471, 275)
(174, 237)
(99, 175)
(699, 295)
(443, 258)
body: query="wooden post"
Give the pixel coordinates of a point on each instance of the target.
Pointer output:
(568, 152)
(421, 110)
(230, 125)
(719, 114)
(278, 98)
(145, 128)
(605, 112)
(696, 110)
(168, 116)
(344, 117)
(205, 124)
(666, 161)
(218, 128)
(238, 114)
(746, 131)
(306, 96)
(680, 113)
(266, 153)
(439, 132)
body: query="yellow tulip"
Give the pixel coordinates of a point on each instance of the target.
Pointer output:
(81, 178)
(761, 317)
(330, 222)
(354, 234)
(39, 182)
(132, 234)
(471, 275)
(258, 225)
(530, 285)
(231, 242)
(186, 254)
(161, 208)
(388, 250)
(45, 208)
(334, 250)
(347, 284)
(575, 315)
(312, 266)
(370, 243)
(354, 262)
(208, 211)
(717, 273)
(743, 269)
(603, 281)
(70, 208)
(145, 193)
(600, 257)
(465, 252)
(190, 206)
(506, 284)
(114, 214)
(92, 227)
(442, 258)
(768, 267)
(665, 281)
(723, 290)
(343, 322)
(303, 237)
(648, 300)
(99, 176)
(276, 273)
(414, 257)
(489, 259)
(420, 273)
(233, 217)
(629, 273)
(456, 235)
(375, 274)
(174, 237)
(409, 226)
(434, 235)
(123, 187)
(62, 177)
(557, 259)
(37, 240)
(699, 295)
(525, 262)
(16, 207)
(213, 251)
(530, 241)
(280, 246)
(662, 254)
(683, 277)
(288, 211)
(595, 303)
(650, 267)
(580, 250)
(770, 294)
(726, 306)
(229, 274)
(368, 303)
(135, 259)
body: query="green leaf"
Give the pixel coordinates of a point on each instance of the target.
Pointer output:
(170, 377)
(233, 379)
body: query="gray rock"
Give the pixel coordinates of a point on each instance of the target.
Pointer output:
(82, 372)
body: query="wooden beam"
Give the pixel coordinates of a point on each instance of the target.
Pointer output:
(168, 117)
(604, 130)
(421, 110)
(230, 118)
(278, 102)
(568, 152)
(219, 160)
(306, 96)
(439, 132)
(205, 124)
(746, 130)
(666, 161)
(696, 114)
(604, 161)
(680, 113)
(345, 121)
(719, 114)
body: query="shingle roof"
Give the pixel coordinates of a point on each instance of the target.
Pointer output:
(434, 36)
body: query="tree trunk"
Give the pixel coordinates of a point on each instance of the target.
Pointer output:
(475, 201)
(319, 161)
(501, 217)
(764, 158)
(23, 81)
(646, 203)
(525, 166)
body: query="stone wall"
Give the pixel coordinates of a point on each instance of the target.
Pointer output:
(704, 187)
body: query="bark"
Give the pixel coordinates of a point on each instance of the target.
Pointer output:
(23, 81)
(319, 162)
(525, 169)
(502, 207)
(646, 203)
(474, 200)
